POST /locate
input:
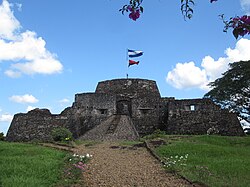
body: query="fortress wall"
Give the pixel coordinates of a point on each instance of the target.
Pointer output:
(129, 87)
(139, 100)
(145, 114)
(188, 122)
(184, 119)
(192, 105)
(147, 124)
(144, 97)
(35, 125)
(90, 109)
(95, 104)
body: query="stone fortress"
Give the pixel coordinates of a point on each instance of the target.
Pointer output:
(126, 109)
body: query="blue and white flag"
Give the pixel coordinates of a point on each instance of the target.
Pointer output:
(134, 53)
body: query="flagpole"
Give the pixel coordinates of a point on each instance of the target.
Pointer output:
(127, 62)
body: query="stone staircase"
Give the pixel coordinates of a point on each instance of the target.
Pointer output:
(115, 127)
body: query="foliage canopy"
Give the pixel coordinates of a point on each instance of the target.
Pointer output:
(232, 90)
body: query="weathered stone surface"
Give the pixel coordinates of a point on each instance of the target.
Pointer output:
(196, 116)
(116, 127)
(35, 125)
(124, 109)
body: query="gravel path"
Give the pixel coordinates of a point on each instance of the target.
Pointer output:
(113, 165)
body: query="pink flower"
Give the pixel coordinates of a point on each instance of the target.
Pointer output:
(245, 19)
(130, 8)
(134, 15)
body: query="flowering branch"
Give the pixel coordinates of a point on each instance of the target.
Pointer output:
(186, 9)
(135, 9)
(240, 25)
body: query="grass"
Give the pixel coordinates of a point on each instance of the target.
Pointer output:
(25, 165)
(87, 142)
(212, 160)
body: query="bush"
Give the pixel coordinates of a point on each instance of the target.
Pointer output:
(156, 134)
(61, 134)
(2, 136)
(159, 132)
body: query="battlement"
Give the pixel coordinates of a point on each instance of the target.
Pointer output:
(129, 87)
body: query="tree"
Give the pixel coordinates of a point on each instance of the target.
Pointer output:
(239, 24)
(2, 136)
(232, 90)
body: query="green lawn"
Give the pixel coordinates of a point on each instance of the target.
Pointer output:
(27, 165)
(211, 160)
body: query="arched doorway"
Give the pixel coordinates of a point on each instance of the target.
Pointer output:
(123, 107)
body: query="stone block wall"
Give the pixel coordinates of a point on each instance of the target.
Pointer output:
(145, 114)
(89, 110)
(95, 103)
(35, 125)
(139, 100)
(196, 116)
(129, 87)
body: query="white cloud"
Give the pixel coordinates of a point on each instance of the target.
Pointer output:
(26, 50)
(43, 66)
(6, 118)
(64, 101)
(245, 4)
(8, 23)
(187, 75)
(13, 74)
(23, 98)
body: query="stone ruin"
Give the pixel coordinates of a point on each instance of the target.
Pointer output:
(126, 109)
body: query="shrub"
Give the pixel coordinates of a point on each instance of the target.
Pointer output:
(61, 134)
(159, 132)
(2, 136)
(156, 134)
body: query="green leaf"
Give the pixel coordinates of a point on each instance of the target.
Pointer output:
(141, 9)
(236, 33)
(191, 2)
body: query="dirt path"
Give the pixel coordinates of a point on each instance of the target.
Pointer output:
(113, 165)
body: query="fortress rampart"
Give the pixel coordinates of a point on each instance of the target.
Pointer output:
(120, 104)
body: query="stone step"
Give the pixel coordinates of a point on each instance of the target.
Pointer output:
(113, 125)
(116, 127)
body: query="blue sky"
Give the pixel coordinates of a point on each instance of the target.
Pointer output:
(51, 50)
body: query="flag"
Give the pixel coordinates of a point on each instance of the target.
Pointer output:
(134, 53)
(132, 62)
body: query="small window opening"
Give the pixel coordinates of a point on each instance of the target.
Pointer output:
(103, 111)
(192, 107)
